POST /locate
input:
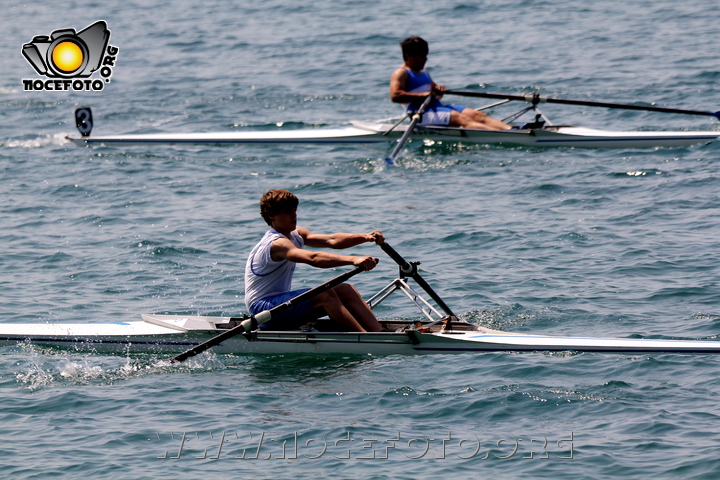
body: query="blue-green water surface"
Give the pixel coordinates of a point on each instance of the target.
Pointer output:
(577, 242)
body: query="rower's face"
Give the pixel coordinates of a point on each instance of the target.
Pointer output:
(416, 62)
(286, 220)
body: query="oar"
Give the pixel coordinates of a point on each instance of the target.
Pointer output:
(386, 132)
(410, 269)
(253, 321)
(415, 119)
(534, 98)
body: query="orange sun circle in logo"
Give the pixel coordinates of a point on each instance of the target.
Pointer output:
(67, 56)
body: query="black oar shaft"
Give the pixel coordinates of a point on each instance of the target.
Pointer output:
(265, 316)
(411, 271)
(535, 99)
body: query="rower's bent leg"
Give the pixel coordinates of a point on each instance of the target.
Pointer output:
(330, 301)
(470, 118)
(359, 309)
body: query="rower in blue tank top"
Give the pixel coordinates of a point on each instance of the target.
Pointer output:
(410, 84)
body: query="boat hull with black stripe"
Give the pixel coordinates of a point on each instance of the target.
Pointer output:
(534, 134)
(548, 136)
(169, 334)
(440, 332)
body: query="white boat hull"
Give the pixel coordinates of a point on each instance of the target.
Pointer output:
(326, 135)
(554, 136)
(373, 133)
(168, 334)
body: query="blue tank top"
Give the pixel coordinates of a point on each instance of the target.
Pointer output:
(418, 83)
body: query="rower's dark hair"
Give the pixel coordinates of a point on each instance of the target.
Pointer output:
(414, 46)
(277, 201)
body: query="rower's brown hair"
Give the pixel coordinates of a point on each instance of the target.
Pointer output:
(277, 201)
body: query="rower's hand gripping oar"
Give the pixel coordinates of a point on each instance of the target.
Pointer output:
(417, 116)
(410, 270)
(535, 99)
(252, 322)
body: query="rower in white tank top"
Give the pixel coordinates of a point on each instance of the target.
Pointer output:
(265, 277)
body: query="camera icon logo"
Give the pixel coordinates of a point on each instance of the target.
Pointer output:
(68, 54)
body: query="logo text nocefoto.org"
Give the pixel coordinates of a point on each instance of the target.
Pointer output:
(68, 59)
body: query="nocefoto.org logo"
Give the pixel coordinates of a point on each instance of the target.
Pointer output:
(68, 58)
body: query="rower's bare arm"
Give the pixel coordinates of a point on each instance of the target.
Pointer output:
(328, 260)
(398, 82)
(340, 240)
(283, 248)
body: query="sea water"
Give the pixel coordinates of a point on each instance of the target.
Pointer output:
(581, 242)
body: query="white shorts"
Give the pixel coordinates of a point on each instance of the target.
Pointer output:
(439, 115)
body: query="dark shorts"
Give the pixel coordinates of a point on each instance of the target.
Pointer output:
(291, 319)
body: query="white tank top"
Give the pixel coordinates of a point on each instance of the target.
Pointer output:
(265, 277)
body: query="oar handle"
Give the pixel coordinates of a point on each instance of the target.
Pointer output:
(405, 266)
(252, 322)
(411, 271)
(534, 98)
